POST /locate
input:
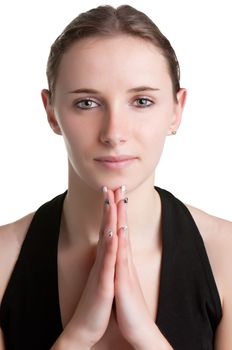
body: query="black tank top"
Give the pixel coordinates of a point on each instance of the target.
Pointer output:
(189, 307)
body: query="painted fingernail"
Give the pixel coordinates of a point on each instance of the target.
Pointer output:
(105, 192)
(104, 189)
(125, 200)
(123, 189)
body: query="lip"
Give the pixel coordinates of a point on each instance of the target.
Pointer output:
(116, 158)
(113, 162)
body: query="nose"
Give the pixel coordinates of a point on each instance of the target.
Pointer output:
(114, 130)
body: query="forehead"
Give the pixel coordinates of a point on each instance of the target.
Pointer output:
(115, 60)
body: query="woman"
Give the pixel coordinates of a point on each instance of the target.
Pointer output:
(115, 262)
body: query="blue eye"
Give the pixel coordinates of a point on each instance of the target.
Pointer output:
(143, 102)
(85, 104)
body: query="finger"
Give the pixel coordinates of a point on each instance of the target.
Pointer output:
(123, 249)
(108, 215)
(107, 246)
(122, 224)
(110, 222)
(120, 193)
(122, 219)
(110, 243)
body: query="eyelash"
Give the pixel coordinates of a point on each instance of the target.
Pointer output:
(89, 100)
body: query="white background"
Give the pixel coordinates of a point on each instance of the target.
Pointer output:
(196, 163)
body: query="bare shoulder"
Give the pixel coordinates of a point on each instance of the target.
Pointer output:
(217, 237)
(11, 238)
(211, 224)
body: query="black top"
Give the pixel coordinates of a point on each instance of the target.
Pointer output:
(189, 307)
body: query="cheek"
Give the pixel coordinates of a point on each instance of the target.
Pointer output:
(153, 134)
(154, 128)
(155, 139)
(77, 138)
(76, 132)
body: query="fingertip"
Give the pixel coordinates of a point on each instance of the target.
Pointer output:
(117, 195)
(123, 190)
(104, 189)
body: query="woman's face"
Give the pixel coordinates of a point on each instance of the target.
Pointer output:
(130, 111)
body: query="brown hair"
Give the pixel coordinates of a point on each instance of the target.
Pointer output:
(108, 21)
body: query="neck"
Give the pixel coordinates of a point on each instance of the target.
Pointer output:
(83, 209)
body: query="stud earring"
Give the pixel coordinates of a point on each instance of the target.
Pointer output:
(173, 132)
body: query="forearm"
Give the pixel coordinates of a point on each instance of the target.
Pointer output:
(153, 345)
(63, 343)
(70, 341)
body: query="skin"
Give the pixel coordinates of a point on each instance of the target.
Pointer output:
(118, 126)
(115, 124)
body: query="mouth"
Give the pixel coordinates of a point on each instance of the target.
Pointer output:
(116, 164)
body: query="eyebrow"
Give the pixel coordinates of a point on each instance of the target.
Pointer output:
(93, 91)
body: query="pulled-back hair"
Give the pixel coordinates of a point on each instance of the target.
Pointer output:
(107, 21)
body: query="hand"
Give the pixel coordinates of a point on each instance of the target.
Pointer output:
(131, 308)
(112, 275)
(92, 314)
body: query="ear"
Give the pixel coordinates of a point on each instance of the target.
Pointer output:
(178, 111)
(45, 94)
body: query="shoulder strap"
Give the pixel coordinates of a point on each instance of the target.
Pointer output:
(189, 298)
(31, 297)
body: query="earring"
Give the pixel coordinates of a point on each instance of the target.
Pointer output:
(173, 132)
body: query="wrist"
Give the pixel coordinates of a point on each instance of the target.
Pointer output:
(151, 338)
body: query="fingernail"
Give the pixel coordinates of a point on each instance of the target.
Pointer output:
(123, 189)
(105, 192)
(104, 189)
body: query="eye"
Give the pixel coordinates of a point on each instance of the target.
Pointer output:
(85, 104)
(143, 102)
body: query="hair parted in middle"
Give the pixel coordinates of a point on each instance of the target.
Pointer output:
(107, 21)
